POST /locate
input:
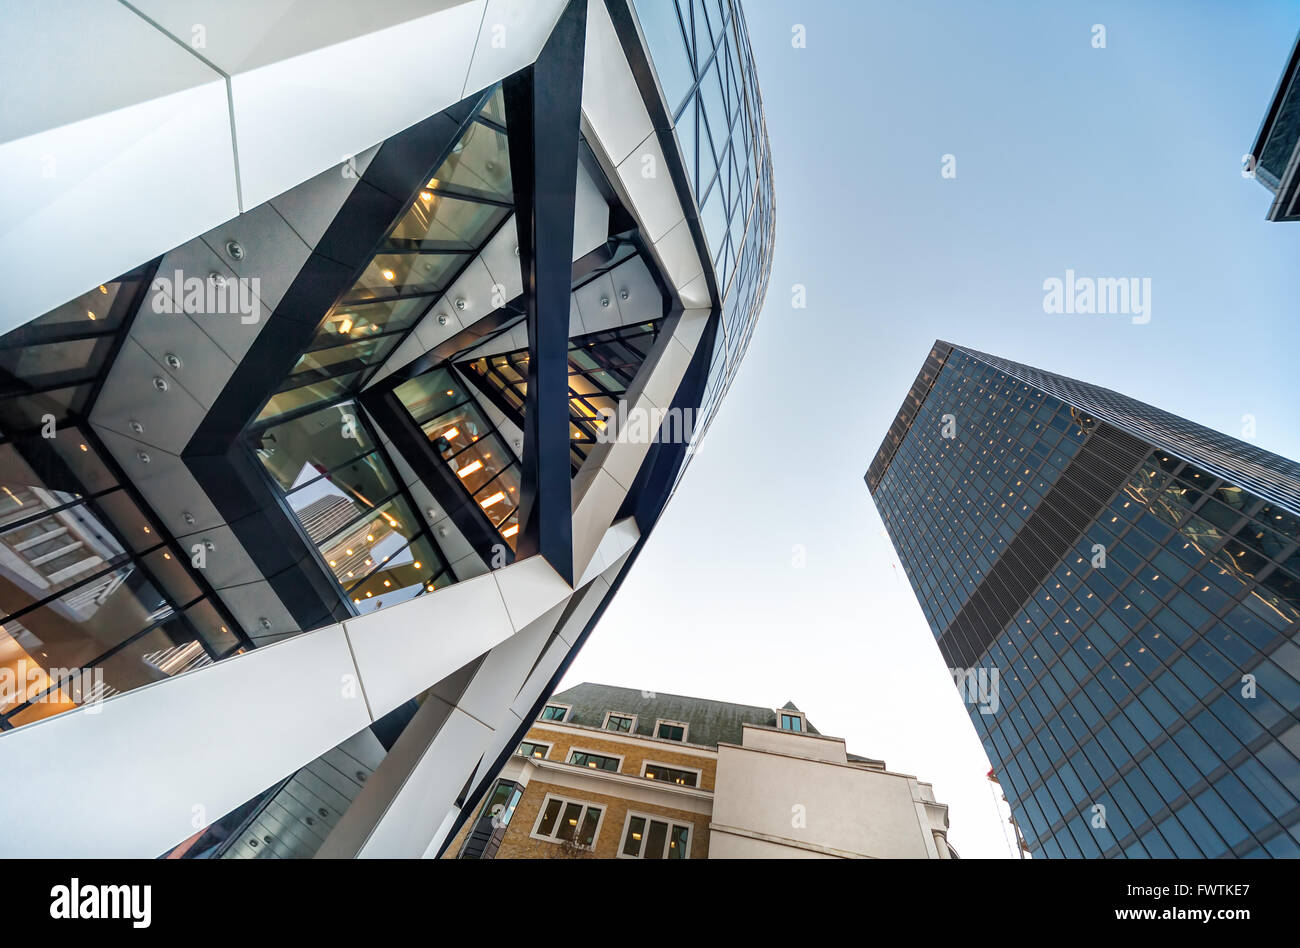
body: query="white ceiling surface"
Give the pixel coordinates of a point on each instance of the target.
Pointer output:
(133, 128)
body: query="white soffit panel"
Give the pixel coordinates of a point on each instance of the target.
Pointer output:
(127, 185)
(135, 107)
(296, 117)
(413, 818)
(128, 777)
(512, 34)
(611, 100)
(403, 649)
(104, 121)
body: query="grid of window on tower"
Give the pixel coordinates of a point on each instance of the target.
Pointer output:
(96, 598)
(314, 438)
(1137, 657)
(1146, 661)
(705, 67)
(963, 498)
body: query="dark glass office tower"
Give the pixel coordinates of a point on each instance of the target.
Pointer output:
(1115, 589)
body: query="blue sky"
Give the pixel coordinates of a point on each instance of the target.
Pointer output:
(1115, 162)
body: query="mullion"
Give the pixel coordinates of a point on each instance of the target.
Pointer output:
(335, 469)
(338, 369)
(79, 500)
(362, 515)
(452, 191)
(101, 658)
(129, 555)
(423, 534)
(196, 576)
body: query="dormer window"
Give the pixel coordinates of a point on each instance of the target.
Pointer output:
(670, 730)
(791, 721)
(617, 721)
(555, 712)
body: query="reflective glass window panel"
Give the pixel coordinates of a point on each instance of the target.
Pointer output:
(404, 574)
(297, 452)
(530, 749)
(671, 732)
(211, 626)
(339, 497)
(358, 549)
(350, 357)
(683, 778)
(635, 836)
(479, 165)
(438, 221)
(56, 363)
(618, 722)
(495, 109)
(82, 623)
(430, 394)
(656, 840)
(296, 399)
(480, 462)
(549, 817)
(677, 841)
(594, 761)
(350, 321)
(457, 429)
(568, 824)
(390, 274)
(499, 498)
(91, 309)
(668, 47)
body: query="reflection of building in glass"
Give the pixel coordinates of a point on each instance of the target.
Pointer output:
(617, 773)
(273, 433)
(1132, 577)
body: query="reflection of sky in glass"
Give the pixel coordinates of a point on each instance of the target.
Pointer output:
(323, 487)
(394, 546)
(714, 98)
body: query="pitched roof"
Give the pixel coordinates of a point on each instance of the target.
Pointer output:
(709, 721)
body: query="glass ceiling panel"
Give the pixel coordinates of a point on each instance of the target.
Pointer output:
(601, 367)
(479, 165)
(437, 221)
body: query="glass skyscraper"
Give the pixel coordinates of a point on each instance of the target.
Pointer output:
(1115, 590)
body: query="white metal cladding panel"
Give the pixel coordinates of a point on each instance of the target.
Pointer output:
(143, 116)
(135, 775)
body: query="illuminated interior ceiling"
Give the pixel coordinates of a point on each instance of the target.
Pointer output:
(88, 579)
(602, 366)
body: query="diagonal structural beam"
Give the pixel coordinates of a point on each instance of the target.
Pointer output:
(543, 113)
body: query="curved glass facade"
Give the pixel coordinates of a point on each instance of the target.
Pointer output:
(705, 67)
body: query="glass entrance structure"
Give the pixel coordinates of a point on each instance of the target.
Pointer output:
(344, 454)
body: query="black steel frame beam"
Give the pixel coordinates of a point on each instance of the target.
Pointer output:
(544, 113)
(217, 455)
(391, 416)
